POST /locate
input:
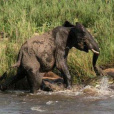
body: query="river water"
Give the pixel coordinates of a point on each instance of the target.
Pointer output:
(86, 100)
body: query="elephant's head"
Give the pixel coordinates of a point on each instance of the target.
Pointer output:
(80, 38)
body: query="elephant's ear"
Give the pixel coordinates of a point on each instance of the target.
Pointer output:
(80, 27)
(68, 24)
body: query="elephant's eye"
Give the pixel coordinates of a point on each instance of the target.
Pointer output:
(84, 43)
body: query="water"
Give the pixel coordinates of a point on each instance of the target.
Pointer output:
(79, 100)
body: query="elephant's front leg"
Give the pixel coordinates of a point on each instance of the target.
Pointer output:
(63, 68)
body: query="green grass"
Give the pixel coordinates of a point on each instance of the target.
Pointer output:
(20, 19)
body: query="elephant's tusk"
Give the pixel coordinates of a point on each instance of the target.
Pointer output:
(94, 51)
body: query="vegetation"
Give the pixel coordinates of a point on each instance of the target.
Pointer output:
(20, 19)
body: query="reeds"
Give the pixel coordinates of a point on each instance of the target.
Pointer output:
(20, 19)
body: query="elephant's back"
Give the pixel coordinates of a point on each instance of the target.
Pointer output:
(44, 43)
(42, 47)
(40, 43)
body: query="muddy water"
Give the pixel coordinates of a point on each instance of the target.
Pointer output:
(86, 100)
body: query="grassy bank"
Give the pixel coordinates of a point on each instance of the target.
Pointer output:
(20, 19)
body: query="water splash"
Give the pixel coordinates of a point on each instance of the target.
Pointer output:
(104, 85)
(103, 88)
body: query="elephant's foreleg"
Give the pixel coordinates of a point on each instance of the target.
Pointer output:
(62, 66)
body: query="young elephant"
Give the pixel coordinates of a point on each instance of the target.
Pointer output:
(42, 53)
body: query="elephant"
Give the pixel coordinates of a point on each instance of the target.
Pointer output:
(42, 53)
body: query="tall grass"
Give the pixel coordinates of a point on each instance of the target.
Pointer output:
(20, 19)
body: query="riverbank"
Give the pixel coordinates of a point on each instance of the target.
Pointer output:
(53, 82)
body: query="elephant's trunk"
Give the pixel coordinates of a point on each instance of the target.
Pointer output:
(93, 46)
(97, 70)
(95, 49)
(95, 57)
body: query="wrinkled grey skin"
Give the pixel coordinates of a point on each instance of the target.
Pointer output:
(42, 53)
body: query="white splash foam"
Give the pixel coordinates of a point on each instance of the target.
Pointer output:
(103, 88)
(49, 102)
(37, 108)
(104, 83)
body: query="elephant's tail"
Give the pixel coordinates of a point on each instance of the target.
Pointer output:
(17, 64)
